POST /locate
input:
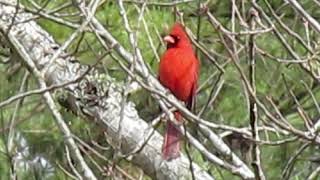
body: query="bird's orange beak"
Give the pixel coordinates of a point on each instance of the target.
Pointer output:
(169, 39)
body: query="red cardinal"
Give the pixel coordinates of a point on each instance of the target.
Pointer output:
(178, 72)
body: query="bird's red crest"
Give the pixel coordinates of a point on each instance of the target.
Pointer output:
(178, 30)
(177, 37)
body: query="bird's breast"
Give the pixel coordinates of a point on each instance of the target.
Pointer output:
(178, 72)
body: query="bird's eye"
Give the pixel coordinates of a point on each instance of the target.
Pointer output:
(176, 38)
(172, 40)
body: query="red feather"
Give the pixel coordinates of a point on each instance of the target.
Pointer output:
(178, 71)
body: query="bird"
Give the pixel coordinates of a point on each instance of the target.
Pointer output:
(178, 72)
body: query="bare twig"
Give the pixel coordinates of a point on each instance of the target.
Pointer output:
(314, 23)
(256, 159)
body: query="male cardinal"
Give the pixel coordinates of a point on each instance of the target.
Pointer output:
(178, 71)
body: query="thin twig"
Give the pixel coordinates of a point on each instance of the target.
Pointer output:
(256, 159)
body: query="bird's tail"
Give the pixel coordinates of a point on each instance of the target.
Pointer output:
(171, 144)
